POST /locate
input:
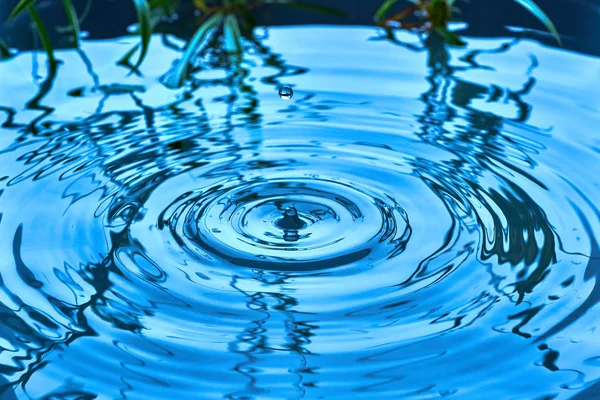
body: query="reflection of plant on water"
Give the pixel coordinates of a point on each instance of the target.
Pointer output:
(481, 147)
(81, 147)
(482, 151)
(90, 145)
(255, 343)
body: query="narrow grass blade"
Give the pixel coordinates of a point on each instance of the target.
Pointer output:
(4, 50)
(144, 20)
(165, 4)
(20, 7)
(177, 76)
(308, 7)
(157, 3)
(86, 11)
(384, 8)
(73, 20)
(232, 34)
(450, 37)
(201, 4)
(534, 9)
(43, 34)
(126, 59)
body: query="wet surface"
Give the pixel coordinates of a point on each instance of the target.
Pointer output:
(412, 223)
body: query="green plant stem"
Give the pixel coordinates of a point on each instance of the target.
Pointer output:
(20, 7)
(73, 20)
(4, 50)
(43, 34)
(176, 77)
(143, 13)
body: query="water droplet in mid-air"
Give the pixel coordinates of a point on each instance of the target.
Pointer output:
(286, 93)
(290, 220)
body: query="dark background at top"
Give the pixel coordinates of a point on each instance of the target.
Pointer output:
(578, 21)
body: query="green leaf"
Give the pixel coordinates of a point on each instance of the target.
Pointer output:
(450, 37)
(143, 13)
(201, 4)
(539, 14)
(43, 34)
(86, 11)
(157, 3)
(4, 50)
(308, 7)
(73, 20)
(384, 8)
(126, 59)
(176, 77)
(166, 5)
(231, 31)
(20, 7)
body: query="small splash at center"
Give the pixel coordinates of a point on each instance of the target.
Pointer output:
(290, 220)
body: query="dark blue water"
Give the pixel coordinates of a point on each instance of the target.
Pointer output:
(411, 224)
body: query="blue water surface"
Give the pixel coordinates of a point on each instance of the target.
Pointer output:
(443, 240)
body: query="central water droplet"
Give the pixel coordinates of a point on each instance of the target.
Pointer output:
(286, 93)
(291, 212)
(290, 220)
